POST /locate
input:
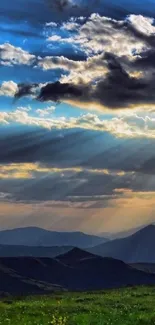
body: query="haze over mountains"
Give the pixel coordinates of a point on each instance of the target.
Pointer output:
(136, 248)
(33, 236)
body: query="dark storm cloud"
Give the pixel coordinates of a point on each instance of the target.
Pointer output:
(117, 89)
(146, 60)
(25, 90)
(57, 91)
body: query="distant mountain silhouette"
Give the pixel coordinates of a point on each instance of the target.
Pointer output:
(32, 251)
(33, 236)
(136, 248)
(73, 271)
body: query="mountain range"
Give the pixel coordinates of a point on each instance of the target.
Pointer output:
(137, 248)
(33, 236)
(35, 242)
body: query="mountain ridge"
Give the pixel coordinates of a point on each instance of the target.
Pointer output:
(35, 236)
(137, 248)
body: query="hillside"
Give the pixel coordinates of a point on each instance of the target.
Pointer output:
(33, 236)
(25, 275)
(136, 248)
(21, 283)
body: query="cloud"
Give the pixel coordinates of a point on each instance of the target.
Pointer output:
(8, 88)
(51, 24)
(62, 5)
(69, 8)
(129, 126)
(112, 76)
(24, 181)
(11, 55)
(103, 34)
(34, 182)
(58, 91)
(58, 62)
(144, 25)
(36, 170)
(117, 89)
(70, 26)
(45, 111)
(26, 90)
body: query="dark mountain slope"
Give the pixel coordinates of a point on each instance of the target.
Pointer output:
(133, 249)
(16, 283)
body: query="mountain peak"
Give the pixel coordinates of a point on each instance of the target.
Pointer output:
(147, 230)
(74, 255)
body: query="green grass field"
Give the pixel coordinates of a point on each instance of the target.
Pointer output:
(114, 307)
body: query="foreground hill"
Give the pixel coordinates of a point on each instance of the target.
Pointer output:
(133, 249)
(75, 270)
(16, 283)
(33, 236)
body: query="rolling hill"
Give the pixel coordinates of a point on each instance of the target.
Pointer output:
(137, 248)
(33, 236)
(74, 271)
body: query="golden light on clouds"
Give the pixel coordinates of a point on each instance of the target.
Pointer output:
(33, 170)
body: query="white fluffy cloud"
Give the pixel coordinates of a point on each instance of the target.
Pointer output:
(88, 70)
(46, 111)
(51, 24)
(57, 62)
(70, 26)
(127, 126)
(11, 55)
(101, 34)
(142, 24)
(8, 88)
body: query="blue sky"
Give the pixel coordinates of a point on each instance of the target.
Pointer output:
(77, 117)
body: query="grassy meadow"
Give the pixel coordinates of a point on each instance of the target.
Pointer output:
(113, 307)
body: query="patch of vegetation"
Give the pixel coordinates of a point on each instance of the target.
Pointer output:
(112, 307)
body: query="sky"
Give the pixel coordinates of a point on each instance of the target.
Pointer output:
(77, 114)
